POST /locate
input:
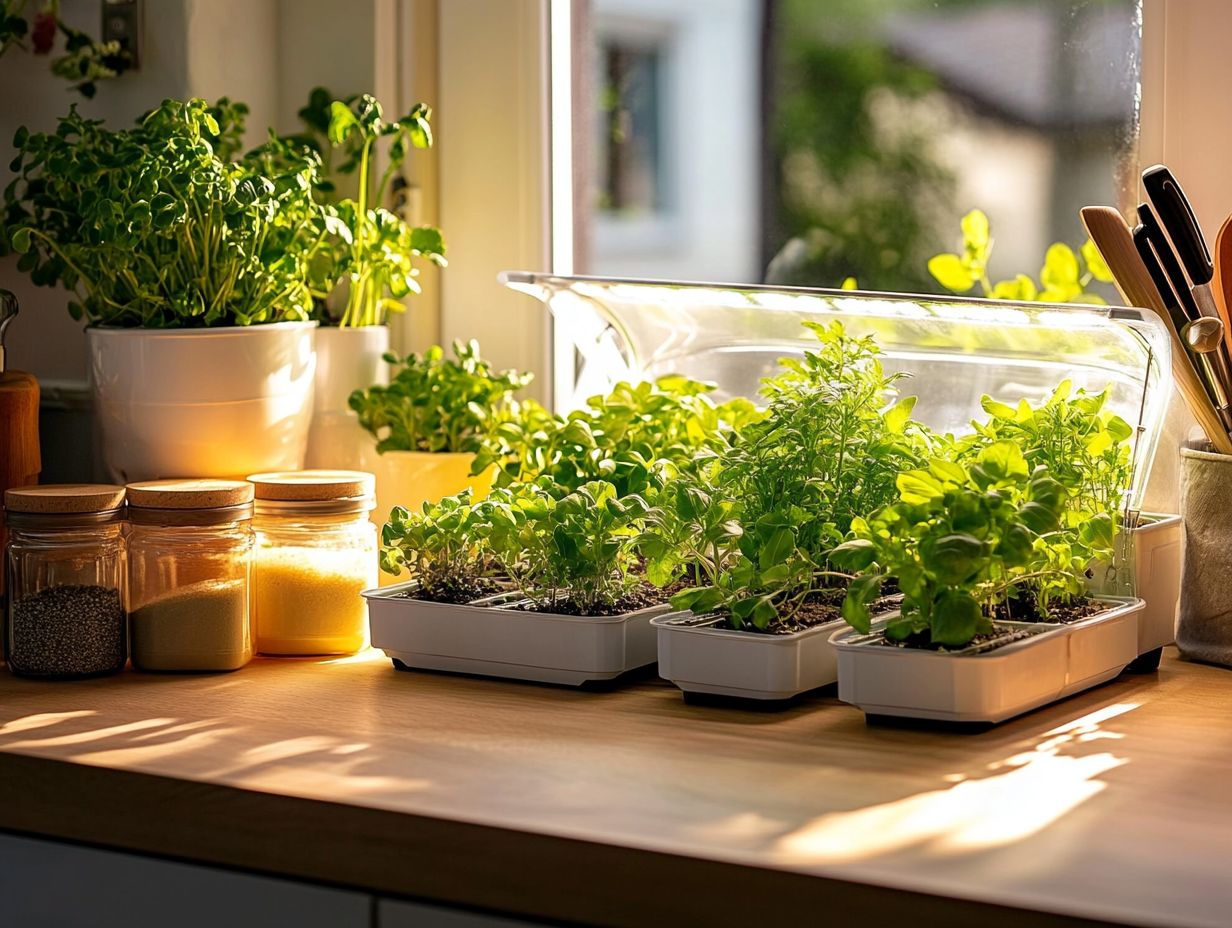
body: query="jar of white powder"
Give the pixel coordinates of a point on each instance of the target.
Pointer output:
(190, 561)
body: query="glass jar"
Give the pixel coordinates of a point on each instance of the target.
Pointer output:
(189, 571)
(66, 617)
(316, 552)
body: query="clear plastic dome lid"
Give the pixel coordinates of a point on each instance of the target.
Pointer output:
(956, 350)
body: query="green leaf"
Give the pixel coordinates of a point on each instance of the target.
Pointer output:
(950, 271)
(854, 555)
(976, 238)
(952, 559)
(1060, 270)
(862, 591)
(919, 486)
(776, 548)
(898, 415)
(1095, 262)
(21, 240)
(956, 616)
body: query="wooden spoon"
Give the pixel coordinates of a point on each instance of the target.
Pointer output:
(1111, 235)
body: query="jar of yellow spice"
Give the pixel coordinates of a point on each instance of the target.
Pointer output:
(189, 564)
(316, 551)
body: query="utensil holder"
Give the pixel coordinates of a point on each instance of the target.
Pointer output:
(1204, 629)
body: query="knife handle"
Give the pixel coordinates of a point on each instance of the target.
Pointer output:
(1177, 216)
(1143, 243)
(1153, 233)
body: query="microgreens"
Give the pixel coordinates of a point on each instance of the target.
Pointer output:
(434, 403)
(150, 227)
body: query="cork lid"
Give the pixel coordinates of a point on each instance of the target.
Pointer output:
(65, 498)
(313, 485)
(189, 494)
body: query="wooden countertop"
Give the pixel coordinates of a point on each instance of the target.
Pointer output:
(631, 808)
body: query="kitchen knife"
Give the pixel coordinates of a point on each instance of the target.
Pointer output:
(1151, 231)
(1112, 236)
(1180, 322)
(1177, 217)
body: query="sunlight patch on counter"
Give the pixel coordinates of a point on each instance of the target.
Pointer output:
(1025, 794)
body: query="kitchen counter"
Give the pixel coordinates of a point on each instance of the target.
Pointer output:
(630, 807)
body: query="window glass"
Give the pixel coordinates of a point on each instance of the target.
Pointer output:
(808, 141)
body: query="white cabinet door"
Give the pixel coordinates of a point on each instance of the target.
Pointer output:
(45, 884)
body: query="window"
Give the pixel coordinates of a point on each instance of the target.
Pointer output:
(629, 128)
(803, 142)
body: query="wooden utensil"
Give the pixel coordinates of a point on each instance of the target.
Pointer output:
(1205, 338)
(19, 442)
(1115, 241)
(1222, 282)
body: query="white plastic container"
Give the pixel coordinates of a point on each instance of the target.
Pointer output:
(700, 656)
(224, 402)
(348, 359)
(498, 641)
(990, 686)
(1157, 577)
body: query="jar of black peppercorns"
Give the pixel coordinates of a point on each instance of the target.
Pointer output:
(66, 613)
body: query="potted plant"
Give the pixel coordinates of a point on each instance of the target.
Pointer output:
(371, 266)
(753, 525)
(574, 609)
(1149, 545)
(992, 554)
(191, 273)
(427, 426)
(557, 543)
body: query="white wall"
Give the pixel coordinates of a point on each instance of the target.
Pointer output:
(189, 48)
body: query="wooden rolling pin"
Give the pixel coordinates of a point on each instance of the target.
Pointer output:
(19, 442)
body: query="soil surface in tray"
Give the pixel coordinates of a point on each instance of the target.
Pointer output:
(639, 598)
(456, 592)
(822, 606)
(1018, 610)
(998, 638)
(1026, 610)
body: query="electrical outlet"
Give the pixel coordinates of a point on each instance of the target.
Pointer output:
(122, 23)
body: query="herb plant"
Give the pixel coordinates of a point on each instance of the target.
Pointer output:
(441, 548)
(373, 260)
(434, 403)
(960, 541)
(149, 227)
(828, 450)
(573, 552)
(626, 437)
(1063, 278)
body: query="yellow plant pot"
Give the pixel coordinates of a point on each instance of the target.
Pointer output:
(411, 478)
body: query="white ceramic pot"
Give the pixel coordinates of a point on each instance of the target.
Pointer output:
(987, 686)
(700, 657)
(496, 641)
(1157, 578)
(348, 359)
(223, 402)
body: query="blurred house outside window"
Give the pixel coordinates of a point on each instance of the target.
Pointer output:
(805, 141)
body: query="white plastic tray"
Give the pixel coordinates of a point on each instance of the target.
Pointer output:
(991, 686)
(699, 657)
(1157, 578)
(497, 641)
